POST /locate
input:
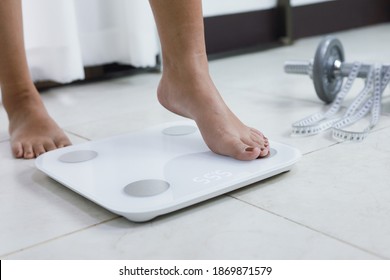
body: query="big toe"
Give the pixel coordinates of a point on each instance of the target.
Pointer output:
(62, 141)
(264, 152)
(242, 151)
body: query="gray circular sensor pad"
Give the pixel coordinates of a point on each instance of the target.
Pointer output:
(179, 130)
(78, 156)
(272, 152)
(145, 188)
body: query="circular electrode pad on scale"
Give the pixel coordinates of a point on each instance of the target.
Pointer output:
(179, 130)
(272, 153)
(78, 156)
(146, 188)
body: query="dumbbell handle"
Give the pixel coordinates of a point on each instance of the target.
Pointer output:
(339, 68)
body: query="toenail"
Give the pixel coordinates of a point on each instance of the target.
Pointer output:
(249, 149)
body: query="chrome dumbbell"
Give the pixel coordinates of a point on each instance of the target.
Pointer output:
(328, 68)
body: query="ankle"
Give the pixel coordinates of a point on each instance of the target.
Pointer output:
(185, 63)
(20, 97)
(19, 86)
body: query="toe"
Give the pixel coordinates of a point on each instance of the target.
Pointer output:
(17, 149)
(38, 150)
(49, 146)
(62, 142)
(264, 152)
(258, 133)
(266, 143)
(261, 142)
(245, 152)
(250, 153)
(252, 147)
(256, 138)
(28, 151)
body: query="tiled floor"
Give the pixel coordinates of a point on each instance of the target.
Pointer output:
(334, 204)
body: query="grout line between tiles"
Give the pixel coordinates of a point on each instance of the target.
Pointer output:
(77, 135)
(58, 237)
(321, 149)
(339, 143)
(313, 229)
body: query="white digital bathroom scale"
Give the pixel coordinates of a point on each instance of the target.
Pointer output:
(157, 170)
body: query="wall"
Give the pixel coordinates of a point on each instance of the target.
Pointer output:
(259, 24)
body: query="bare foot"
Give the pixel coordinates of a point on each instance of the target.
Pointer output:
(193, 95)
(33, 132)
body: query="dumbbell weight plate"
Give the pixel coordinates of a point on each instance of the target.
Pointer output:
(326, 83)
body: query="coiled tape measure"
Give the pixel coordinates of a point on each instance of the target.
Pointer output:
(328, 71)
(367, 101)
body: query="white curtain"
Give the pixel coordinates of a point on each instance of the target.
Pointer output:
(63, 36)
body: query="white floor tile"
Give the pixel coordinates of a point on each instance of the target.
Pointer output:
(97, 101)
(35, 208)
(148, 115)
(223, 228)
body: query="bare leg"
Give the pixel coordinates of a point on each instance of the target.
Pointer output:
(186, 87)
(32, 130)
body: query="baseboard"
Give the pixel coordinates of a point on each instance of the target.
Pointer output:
(232, 32)
(332, 16)
(101, 72)
(229, 33)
